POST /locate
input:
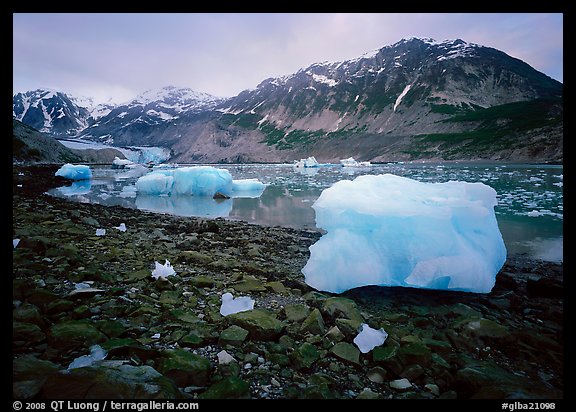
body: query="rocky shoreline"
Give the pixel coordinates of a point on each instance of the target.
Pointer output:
(167, 339)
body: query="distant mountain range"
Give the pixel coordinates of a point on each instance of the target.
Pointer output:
(415, 99)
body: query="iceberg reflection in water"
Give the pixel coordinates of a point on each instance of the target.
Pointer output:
(183, 205)
(78, 187)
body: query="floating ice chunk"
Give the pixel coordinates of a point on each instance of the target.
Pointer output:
(309, 162)
(195, 180)
(155, 184)
(247, 188)
(100, 232)
(118, 163)
(128, 191)
(163, 271)
(369, 338)
(121, 228)
(393, 231)
(350, 162)
(230, 305)
(74, 172)
(96, 354)
(15, 242)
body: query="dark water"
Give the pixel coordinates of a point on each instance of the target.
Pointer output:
(529, 211)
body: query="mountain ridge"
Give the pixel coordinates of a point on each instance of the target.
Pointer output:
(415, 99)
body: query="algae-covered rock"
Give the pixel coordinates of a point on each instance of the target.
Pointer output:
(261, 324)
(184, 368)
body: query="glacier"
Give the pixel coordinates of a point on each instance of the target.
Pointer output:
(204, 181)
(74, 172)
(389, 230)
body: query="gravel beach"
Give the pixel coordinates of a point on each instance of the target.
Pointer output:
(166, 338)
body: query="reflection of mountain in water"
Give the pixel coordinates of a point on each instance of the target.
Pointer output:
(278, 206)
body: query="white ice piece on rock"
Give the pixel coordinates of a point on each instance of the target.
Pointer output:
(121, 228)
(74, 172)
(100, 232)
(231, 305)
(389, 230)
(163, 271)
(96, 354)
(369, 338)
(15, 242)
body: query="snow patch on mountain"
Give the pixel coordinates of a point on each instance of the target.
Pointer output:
(401, 96)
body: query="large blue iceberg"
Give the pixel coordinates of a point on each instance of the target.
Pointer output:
(203, 181)
(74, 172)
(389, 230)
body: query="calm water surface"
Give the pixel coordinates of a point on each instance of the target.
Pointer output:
(529, 211)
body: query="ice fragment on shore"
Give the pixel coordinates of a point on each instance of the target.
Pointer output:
(96, 354)
(369, 338)
(15, 242)
(162, 271)
(74, 172)
(156, 336)
(100, 232)
(230, 305)
(389, 230)
(121, 228)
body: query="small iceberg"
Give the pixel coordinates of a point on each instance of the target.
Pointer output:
(389, 230)
(231, 305)
(309, 162)
(118, 163)
(350, 162)
(74, 172)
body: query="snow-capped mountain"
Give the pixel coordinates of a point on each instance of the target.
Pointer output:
(147, 115)
(61, 114)
(50, 111)
(416, 99)
(387, 89)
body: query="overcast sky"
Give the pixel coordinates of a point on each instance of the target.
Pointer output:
(118, 56)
